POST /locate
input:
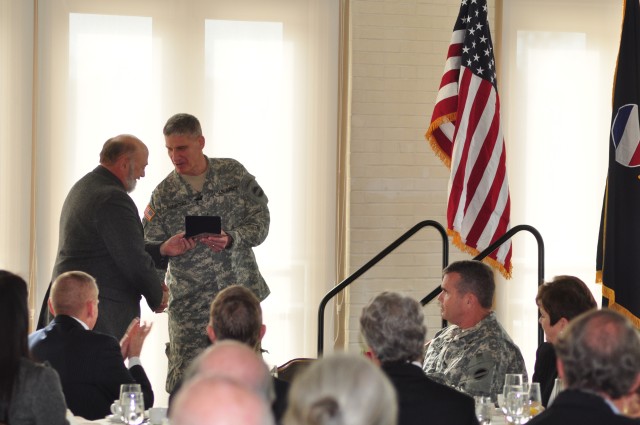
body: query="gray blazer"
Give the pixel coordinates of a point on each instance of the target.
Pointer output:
(101, 234)
(37, 397)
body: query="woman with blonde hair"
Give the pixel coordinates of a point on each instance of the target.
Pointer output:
(342, 389)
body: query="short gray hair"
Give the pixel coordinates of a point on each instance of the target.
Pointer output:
(115, 147)
(182, 124)
(342, 389)
(600, 351)
(393, 326)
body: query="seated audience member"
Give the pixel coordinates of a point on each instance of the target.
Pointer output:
(30, 393)
(599, 363)
(235, 361)
(393, 328)
(474, 353)
(342, 389)
(213, 400)
(630, 405)
(90, 364)
(235, 314)
(559, 301)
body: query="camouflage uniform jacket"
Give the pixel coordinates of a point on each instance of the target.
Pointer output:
(194, 278)
(474, 360)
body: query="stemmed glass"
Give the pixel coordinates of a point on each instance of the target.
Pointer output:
(132, 405)
(484, 409)
(512, 382)
(535, 399)
(516, 404)
(557, 388)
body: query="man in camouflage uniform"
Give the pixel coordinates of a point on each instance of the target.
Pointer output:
(475, 352)
(204, 186)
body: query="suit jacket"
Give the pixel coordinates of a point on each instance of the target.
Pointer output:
(422, 400)
(279, 405)
(90, 366)
(545, 371)
(580, 408)
(101, 234)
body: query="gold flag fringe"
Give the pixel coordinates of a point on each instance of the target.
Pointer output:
(432, 140)
(610, 295)
(457, 241)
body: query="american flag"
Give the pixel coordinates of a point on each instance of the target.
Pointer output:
(465, 132)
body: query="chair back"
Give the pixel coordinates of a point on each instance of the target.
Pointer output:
(290, 369)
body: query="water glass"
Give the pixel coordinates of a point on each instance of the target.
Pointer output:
(513, 379)
(558, 386)
(130, 388)
(535, 399)
(484, 409)
(132, 407)
(515, 404)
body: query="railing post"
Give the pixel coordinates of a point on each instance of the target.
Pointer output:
(339, 287)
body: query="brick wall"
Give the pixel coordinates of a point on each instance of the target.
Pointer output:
(398, 54)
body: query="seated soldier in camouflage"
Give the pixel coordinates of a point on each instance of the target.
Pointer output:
(474, 353)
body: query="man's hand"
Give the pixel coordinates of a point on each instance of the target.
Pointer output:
(165, 299)
(132, 341)
(176, 245)
(216, 243)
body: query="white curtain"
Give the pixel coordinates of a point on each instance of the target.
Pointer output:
(260, 75)
(16, 81)
(555, 81)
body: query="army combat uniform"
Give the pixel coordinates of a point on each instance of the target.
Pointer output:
(194, 278)
(474, 360)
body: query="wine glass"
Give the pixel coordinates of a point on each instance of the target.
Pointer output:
(515, 403)
(535, 399)
(512, 382)
(484, 409)
(132, 407)
(130, 388)
(558, 386)
(513, 379)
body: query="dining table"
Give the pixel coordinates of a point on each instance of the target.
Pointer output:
(109, 420)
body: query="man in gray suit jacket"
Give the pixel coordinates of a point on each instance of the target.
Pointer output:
(101, 234)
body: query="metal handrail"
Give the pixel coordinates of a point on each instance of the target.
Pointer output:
(488, 250)
(521, 227)
(339, 287)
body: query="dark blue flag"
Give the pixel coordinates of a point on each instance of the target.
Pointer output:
(618, 257)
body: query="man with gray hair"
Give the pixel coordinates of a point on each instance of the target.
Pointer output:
(599, 363)
(203, 186)
(101, 234)
(392, 326)
(474, 353)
